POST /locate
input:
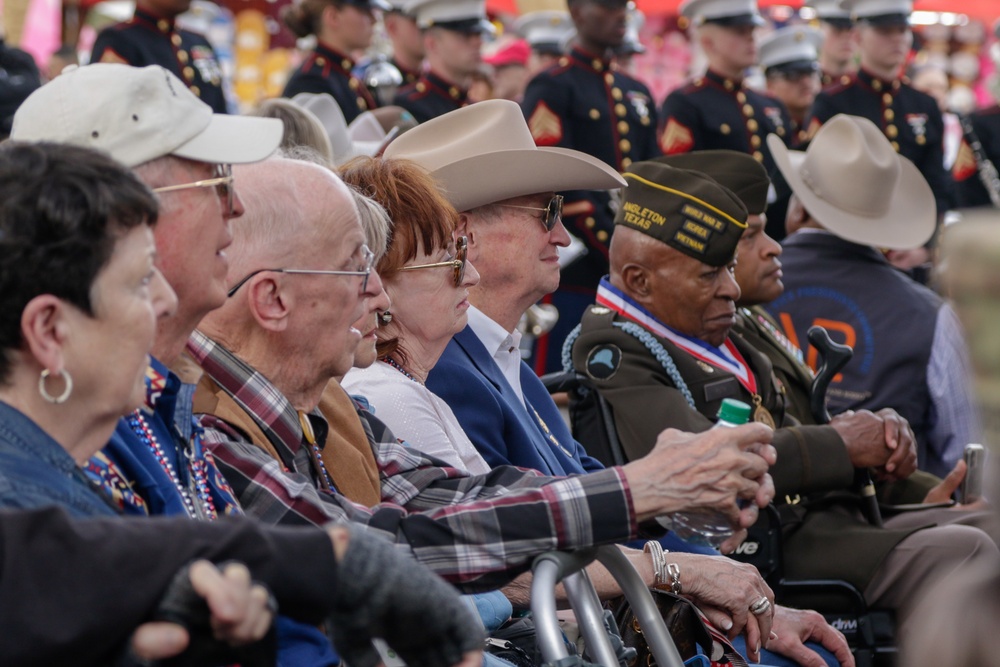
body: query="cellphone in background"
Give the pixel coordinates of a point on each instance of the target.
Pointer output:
(972, 486)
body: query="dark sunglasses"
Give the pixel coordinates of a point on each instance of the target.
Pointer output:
(552, 210)
(223, 184)
(458, 264)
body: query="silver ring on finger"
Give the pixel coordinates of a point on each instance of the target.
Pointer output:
(761, 606)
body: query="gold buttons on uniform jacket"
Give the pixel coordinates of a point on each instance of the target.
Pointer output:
(895, 146)
(175, 39)
(887, 99)
(346, 64)
(623, 127)
(453, 91)
(321, 61)
(182, 56)
(889, 115)
(645, 121)
(590, 222)
(602, 236)
(597, 64)
(626, 162)
(163, 25)
(595, 114)
(621, 110)
(724, 128)
(755, 141)
(877, 85)
(752, 125)
(188, 73)
(891, 132)
(625, 145)
(748, 111)
(616, 93)
(741, 97)
(195, 89)
(781, 131)
(362, 104)
(757, 155)
(921, 139)
(421, 88)
(728, 85)
(609, 79)
(353, 84)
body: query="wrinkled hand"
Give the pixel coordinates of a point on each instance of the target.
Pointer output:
(724, 589)
(381, 592)
(705, 472)
(881, 440)
(240, 613)
(793, 627)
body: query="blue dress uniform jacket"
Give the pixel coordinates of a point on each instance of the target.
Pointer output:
(910, 120)
(431, 96)
(149, 39)
(583, 104)
(409, 76)
(327, 70)
(969, 188)
(714, 112)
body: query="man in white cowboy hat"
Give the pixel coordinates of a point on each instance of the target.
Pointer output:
(788, 57)
(853, 195)
(491, 172)
(453, 39)
(836, 53)
(586, 104)
(717, 110)
(909, 119)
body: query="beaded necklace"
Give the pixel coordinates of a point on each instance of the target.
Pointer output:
(310, 436)
(198, 478)
(395, 364)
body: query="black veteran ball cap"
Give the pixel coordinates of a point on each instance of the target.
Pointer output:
(685, 209)
(739, 172)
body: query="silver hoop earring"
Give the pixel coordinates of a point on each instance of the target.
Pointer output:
(385, 318)
(67, 380)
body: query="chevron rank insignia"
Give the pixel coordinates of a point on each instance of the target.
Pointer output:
(677, 138)
(545, 125)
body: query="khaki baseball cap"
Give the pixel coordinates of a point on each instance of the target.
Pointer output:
(138, 114)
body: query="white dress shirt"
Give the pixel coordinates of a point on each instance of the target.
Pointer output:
(503, 345)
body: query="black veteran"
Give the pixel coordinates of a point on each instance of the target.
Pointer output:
(453, 37)
(910, 119)
(584, 104)
(718, 110)
(658, 347)
(152, 37)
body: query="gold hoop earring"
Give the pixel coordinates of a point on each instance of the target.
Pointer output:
(67, 380)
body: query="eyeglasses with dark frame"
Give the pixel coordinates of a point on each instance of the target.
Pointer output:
(223, 183)
(553, 211)
(458, 264)
(367, 262)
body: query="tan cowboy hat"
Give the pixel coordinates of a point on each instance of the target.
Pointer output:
(853, 183)
(484, 153)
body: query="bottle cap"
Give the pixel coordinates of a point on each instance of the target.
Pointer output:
(734, 412)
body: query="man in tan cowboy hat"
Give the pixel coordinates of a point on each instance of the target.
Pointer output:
(491, 172)
(861, 196)
(658, 346)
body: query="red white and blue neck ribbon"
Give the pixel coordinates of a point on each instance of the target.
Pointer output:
(726, 358)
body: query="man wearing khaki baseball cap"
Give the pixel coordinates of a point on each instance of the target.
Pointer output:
(147, 119)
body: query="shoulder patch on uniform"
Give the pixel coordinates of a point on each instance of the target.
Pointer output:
(545, 125)
(109, 56)
(604, 361)
(677, 138)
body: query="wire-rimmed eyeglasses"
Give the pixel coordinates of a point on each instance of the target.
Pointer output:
(553, 211)
(364, 269)
(458, 264)
(223, 183)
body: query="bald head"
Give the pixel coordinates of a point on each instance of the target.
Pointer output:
(691, 297)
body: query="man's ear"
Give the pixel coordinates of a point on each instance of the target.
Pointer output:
(45, 330)
(269, 302)
(330, 16)
(635, 279)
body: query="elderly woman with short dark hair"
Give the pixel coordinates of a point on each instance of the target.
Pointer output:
(79, 302)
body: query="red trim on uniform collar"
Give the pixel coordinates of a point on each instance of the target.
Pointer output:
(336, 57)
(715, 77)
(884, 85)
(587, 58)
(152, 18)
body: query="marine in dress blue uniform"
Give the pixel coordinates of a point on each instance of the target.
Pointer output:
(439, 91)
(717, 110)
(910, 119)
(584, 104)
(835, 54)
(326, 70)
(969, 188)
(154, 39)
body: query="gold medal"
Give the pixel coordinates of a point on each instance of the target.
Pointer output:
(760, 413)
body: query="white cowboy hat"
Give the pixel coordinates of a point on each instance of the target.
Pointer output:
(346, 141)
(852, 182)
(484, 153)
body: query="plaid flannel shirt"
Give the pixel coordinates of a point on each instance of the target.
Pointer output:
(476, 531)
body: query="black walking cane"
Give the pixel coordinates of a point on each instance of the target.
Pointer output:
(832, 358)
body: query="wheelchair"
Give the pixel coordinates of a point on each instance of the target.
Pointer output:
(869, 632)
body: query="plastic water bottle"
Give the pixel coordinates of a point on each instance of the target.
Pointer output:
(709, 529)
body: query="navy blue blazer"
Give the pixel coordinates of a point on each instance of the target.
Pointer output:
(501, 426)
